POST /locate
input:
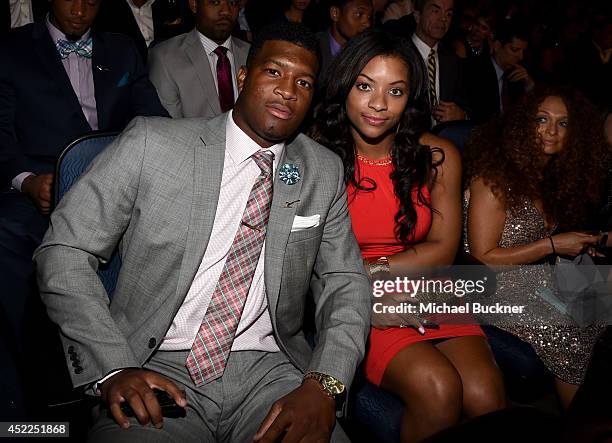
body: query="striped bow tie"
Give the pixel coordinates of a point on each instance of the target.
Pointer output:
(82, 48)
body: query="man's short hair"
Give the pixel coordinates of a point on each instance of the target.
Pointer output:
(507, 30)
(290, 32)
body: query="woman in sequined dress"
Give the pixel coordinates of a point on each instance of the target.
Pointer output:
(532, 181)
(404, 188)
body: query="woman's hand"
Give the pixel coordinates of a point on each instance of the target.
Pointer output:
(573, 243)
(385, 315)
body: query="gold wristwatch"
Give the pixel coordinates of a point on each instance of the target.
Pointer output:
(330, 385)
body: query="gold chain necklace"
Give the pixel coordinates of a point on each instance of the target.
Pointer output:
(370, 161)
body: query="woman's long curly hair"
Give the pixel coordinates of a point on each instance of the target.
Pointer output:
(508, 156)
(412, 162)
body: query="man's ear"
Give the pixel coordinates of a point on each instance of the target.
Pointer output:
(334, 14)
(497, 45)
(417, 16)
(193, 5)
(242, 75)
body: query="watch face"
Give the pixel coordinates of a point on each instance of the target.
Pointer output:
(334, 387)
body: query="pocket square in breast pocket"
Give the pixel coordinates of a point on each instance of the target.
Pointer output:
(300, 223)
(124, 80)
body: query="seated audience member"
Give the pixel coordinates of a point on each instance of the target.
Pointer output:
(194, 206)
(295, 11)
(443, 75)
(404, 188)
(58, 80)
(195, 74)
(527, 199)
(145, 21)
(348, 19)
(397, 9)
(16, 13)
(589, 64)
(476, 41)
(494, 83)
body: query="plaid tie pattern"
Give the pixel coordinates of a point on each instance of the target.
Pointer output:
(82, 48)
(224, 79)
(211, 347)
(431, 74)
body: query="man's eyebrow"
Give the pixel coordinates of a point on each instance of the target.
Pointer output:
(283, 64)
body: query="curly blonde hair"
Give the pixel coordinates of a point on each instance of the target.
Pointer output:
(506, 154)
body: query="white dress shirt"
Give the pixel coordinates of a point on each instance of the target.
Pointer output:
(21, 12)
(144, 19)
(500, 82)
(255, 327)
(209, 47)
(424, 50)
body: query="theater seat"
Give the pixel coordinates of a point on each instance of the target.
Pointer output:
(72, 162)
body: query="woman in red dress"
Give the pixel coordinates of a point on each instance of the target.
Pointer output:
(404, 196)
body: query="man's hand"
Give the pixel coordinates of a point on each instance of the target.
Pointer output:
(136, 387)
(518, 74)
(306, 414)
(448, 112)
(38, 188)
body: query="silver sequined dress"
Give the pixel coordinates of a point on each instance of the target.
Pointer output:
(564, 348)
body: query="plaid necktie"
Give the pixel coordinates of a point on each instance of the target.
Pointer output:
(211, 347)
(82, 48)
(224, 79)
(431, 74)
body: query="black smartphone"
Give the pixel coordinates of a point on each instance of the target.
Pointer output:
(168, 406)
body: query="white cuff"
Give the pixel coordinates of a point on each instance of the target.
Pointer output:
(96, 385)
(18, 180)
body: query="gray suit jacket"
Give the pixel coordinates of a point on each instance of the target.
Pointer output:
(154, 192)
(180, 71)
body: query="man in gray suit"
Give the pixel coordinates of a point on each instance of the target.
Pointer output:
(195, 74)
(200, 311)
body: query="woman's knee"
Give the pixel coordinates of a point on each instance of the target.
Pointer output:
(484, 392)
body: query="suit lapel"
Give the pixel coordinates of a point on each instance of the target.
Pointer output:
(52, 64)
(207, 173)
(101, 66)
(196, 53)
(279, 224)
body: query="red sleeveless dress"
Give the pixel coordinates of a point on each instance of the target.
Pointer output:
(372, 215)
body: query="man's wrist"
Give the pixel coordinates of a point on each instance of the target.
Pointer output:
(19, 179)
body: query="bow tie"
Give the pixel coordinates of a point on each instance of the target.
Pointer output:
(82, 48)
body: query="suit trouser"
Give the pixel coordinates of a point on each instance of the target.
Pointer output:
(21, 230)
(229, 409)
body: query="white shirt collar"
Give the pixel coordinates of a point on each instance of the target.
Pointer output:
(241, 147)
(423, 47)
(210, 46)
(147, 4)
(498, 70)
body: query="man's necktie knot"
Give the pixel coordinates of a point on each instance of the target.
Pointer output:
(82, 48)
(265, 160)
(221, 51)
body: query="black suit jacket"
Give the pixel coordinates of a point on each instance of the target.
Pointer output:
(170, 18)
(39, 111)
(483, 90)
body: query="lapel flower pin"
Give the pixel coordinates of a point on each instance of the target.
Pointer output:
(289, 174)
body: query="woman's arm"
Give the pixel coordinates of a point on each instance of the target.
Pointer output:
(486, 218)
(440, 245)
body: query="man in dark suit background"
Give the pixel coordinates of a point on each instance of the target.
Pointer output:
(145, 21)
(58, 80)
(444, 70)
(348, 18)
(494, 83)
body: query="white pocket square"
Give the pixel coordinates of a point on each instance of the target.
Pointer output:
(300, 223)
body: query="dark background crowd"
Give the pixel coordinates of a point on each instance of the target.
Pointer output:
(479, 59)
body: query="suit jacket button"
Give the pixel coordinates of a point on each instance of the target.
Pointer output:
(152, 342)
(74, 357)
(76, 364)
(71, 349)
(78, 370)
